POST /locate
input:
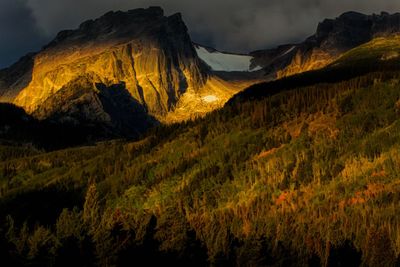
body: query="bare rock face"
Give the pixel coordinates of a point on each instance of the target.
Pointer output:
(138, 64)
(332, 38)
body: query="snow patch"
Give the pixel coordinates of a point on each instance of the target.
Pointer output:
(210, 98)
(225, 62)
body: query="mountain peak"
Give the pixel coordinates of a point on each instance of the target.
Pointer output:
(150, 11)
(353, 15)
(114, 25)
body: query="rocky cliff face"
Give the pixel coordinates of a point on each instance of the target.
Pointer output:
(150, 53)
(138, 60)
(332, 38)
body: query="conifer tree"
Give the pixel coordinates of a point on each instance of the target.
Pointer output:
(91, 209)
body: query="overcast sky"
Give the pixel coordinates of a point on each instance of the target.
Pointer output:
(230, 25)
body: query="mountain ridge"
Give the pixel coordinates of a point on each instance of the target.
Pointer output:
(332, 38)
(152, 57)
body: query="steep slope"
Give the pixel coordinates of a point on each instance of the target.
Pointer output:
(147, 56)
(332, 38)
(307, 174)
(378, 51)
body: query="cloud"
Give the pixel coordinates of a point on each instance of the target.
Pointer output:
(234, 25)
(18, 31)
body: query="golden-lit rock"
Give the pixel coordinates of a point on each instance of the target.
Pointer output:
(300, 63)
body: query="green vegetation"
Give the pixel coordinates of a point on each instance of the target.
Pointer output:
(306, 175)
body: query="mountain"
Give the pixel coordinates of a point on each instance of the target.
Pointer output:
(123, 70)
(333, 37)
(301, 171)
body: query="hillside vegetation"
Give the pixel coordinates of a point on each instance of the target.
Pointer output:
(294, 172)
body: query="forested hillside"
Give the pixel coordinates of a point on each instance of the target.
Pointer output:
(301, 171)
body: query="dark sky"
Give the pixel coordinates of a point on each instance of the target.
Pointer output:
(231, 25)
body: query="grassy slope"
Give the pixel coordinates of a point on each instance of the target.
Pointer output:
(379, 49)
(277, 180)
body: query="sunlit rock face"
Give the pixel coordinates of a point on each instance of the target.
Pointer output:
(152, 54)
(142, 52)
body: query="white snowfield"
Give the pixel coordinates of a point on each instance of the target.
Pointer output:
(225, 62)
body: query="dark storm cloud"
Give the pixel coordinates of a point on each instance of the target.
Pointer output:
(18, 32)
(235, 25)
